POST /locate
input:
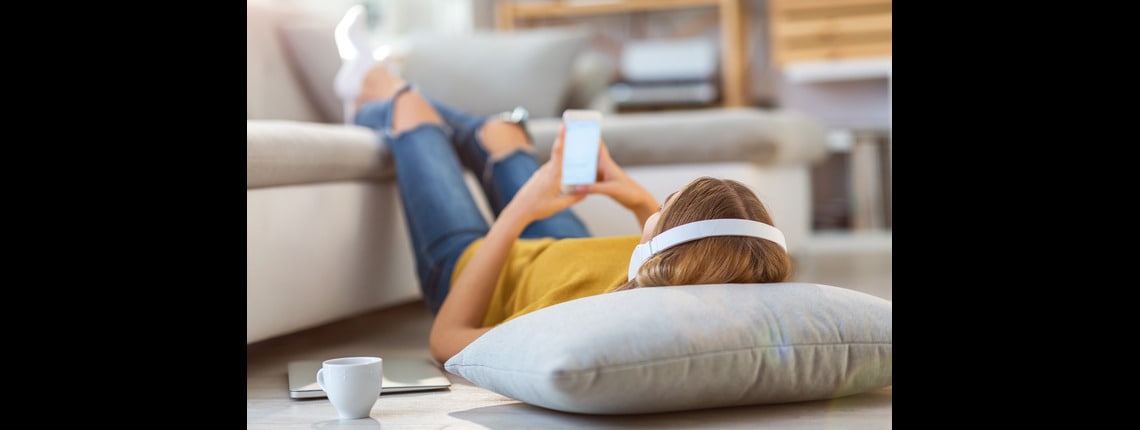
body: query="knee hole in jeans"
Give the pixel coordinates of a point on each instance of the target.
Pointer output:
(501, 138)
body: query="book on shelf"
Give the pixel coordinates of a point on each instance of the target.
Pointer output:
(667, 72)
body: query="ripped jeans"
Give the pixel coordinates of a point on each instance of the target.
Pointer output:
(439, 210)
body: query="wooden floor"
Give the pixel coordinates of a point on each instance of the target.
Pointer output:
(861, 262)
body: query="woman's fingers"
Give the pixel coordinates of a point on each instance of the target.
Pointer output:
(569, 199)
(604, 161)
(557, 150)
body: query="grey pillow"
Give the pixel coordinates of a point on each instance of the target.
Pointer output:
(687, 347)
(313, 53)
(491, 72)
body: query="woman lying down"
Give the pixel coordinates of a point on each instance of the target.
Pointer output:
(537, 253)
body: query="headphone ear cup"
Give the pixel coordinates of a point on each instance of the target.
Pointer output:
(640, 253)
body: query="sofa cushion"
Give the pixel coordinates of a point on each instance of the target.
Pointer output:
(490, 72)
(281, 152)
(481, 73)
(274, 88)
(313, 53)
(688, 347)
(761, 136)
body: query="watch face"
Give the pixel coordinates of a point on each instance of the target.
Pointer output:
(519, 115)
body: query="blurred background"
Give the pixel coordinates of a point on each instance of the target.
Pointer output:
(830, 59)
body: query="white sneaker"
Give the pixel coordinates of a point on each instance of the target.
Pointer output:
(351, 36)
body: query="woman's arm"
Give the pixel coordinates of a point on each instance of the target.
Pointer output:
(460, 318)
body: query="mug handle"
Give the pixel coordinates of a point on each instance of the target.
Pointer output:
(321, 378)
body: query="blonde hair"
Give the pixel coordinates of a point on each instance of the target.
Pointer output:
(713, 260)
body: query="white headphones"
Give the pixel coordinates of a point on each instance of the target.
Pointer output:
(700, 230)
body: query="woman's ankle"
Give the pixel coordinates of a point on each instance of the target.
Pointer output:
(380, 84)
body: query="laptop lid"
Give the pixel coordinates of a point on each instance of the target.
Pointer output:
(400, 375)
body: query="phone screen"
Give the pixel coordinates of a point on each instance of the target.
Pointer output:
(580, 152)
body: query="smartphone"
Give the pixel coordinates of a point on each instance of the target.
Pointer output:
(580, 147)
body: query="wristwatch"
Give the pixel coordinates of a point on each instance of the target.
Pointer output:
(518, 115)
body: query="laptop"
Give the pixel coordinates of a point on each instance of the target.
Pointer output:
(401, 375)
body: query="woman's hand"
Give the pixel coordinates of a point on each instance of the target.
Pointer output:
(541, 196)
(614, 182)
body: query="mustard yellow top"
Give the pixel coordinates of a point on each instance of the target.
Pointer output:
(544, 272)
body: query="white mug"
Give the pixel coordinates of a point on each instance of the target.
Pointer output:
(352, 384)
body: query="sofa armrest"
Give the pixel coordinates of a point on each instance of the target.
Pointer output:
(285, 152)
(763, 137)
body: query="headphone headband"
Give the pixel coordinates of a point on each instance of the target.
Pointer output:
(715, 227)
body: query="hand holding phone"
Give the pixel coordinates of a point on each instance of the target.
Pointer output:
(580, 147)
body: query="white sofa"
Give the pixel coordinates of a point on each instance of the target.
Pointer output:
(325, 235)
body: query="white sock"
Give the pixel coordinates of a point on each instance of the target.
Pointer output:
(356, 56)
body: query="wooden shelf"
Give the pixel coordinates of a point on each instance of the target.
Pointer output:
(523, 10)
(731, 13)
(829, 30)
(838, 70)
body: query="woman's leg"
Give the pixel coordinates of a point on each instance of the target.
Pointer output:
(441, 214)
(502, 156)
(499, 153)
